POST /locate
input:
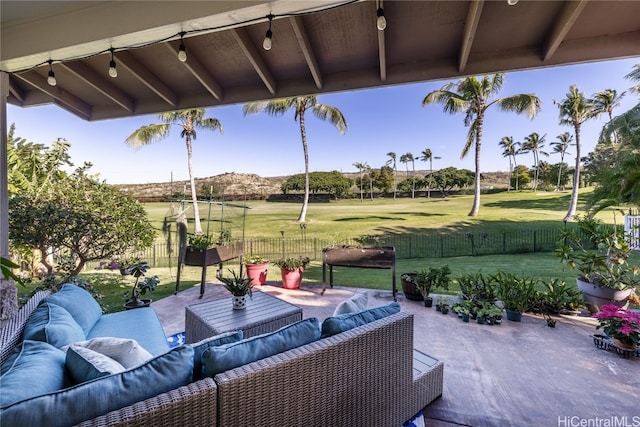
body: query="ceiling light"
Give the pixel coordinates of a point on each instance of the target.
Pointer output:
(182, 51)
(512, 2)
(112, 65)
(51, 79)
(381, 21)
(266, 44)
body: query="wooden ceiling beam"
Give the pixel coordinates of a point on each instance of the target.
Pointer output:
(126, 60)
(307, 51)
(570, 12)
(470, 29)
(200, 72)
(251, 53)
(60, 96)
(100, 83)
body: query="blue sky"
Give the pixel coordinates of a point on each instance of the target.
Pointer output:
(379, 120)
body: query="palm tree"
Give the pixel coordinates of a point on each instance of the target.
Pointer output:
(392, 161)
(635, 76)
(561, 146)
(606, 101)
(575, 109)
(473, 97)
(189, 121)
(299, 105)
(361, 166)
(370, 175)
(427, 155)
(534, 143)
(406, 158)
(509, 149)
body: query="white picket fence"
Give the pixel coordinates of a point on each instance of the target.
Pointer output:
(632, 230)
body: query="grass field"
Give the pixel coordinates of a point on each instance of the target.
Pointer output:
(353, 218)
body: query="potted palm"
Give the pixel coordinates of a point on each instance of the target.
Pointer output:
(140, 287)
(292, 269)
(240, 287)
(601, 255)
(257, 268)
(516, 293)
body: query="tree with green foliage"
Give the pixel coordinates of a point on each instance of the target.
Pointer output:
(393, 163)
(450, 178)
(361, 166)
(521, 175)
(509, 149)
(383, 179)
(473, 96)
(190, 121)
(334, 183)
(299, 105)
(406, 158)
(534, 144)
(560, 147)
(427, 156)
(88, 219)
(575, 109)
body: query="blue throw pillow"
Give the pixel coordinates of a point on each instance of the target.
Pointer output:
(88, 400)
(79, 303)
(85, 364)
(344, 322)
(229, 356)
(34, 368)
(215, 341)
(358, 302)
(53, 324)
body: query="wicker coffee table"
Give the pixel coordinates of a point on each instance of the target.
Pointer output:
(264, 313)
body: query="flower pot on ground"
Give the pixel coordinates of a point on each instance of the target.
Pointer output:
(257, 268)
(292, 270)
(239, 286)
(513, 315)
(601, 254)
(432, 279)
(408, 283)
(516, 293)
(621, 325)
(140, 287)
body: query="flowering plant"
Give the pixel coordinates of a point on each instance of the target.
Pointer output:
(620, 324)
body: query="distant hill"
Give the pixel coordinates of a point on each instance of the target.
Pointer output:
(254, 187)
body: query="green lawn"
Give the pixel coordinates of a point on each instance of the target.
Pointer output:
(352, 218)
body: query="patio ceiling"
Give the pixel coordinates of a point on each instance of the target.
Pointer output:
(336, 49)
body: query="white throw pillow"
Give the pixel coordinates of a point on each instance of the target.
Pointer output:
(125, 351)
(358, 302)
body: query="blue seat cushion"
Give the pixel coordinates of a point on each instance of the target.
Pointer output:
(34, 368)
(80, 303)
(88, 400)
(229, 356)
(52, 324)
(337, 324)
(200, 346)
(126, 324)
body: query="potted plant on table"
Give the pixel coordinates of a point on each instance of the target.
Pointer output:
(257, 268)
(292, 269)
(601, 255)
(431, 279)
(240, 287)
(140, 287)
(620, 325)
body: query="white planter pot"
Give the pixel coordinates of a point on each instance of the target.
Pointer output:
(239, 303)
(595, 296)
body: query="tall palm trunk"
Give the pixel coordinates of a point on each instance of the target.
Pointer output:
(305, 202)
(510, 173)
(413, 179)
(560, 171)
(395, 181)
(536, 175)
(573, 204)
(192, 182)
(430, 178)
(476, 191)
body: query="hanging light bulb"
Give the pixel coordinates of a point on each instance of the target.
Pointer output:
(266, 44)
(51, 78)
(112, 65)
(182, 51)
(381, 21)
(512, 2)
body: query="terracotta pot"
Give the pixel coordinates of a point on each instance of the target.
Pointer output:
(291, 279)
(621, 344)
(257, 273)
(595, 296)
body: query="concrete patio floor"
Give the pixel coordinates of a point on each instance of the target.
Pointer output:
(513, 374)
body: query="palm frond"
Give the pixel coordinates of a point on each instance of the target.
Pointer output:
(149, 134)
(210, 124)
(471, 139)
(521, 103)
(324, 112)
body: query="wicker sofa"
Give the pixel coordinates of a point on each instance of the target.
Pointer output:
(361, 377)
